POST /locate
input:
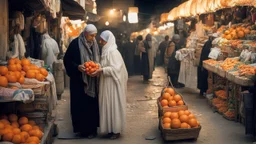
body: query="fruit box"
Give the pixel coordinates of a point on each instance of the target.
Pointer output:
(162, 110)
(179, 134)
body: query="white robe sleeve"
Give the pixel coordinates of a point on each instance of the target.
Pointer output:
(44, 51)
(115, 63)
(16, 47)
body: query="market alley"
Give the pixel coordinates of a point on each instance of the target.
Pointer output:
(142, 117)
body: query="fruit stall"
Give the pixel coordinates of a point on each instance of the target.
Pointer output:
(27, 100)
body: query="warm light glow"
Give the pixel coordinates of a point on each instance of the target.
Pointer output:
(133, 17)
(148, 30)
(141, 33)
(111, 12)
(124, 18)
(155, 33)
(107, 23)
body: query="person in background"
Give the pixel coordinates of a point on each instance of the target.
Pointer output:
(173, 65)
(50, 50)
(162, 47)
(83, 87)
(129, 48)
(17, 44)
(113, 86)
(137, 56)
(202, 73)
(147, 58)
(155, 45)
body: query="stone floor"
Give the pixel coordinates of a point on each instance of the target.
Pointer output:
(142, 117)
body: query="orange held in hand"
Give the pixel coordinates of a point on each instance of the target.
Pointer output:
(91, 67)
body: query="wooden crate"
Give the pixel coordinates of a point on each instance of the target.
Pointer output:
(179, 134)
(162, 110)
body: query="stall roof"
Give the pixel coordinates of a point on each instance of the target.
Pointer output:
(72, 9)
(32, 5)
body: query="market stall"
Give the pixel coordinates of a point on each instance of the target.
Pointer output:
(30, 91)
(231, 67)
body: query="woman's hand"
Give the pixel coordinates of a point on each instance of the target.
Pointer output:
(81, 68)
(97, 72)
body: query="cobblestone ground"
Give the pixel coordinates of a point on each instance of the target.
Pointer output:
(142, 117)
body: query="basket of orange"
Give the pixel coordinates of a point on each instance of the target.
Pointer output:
(170, 101)
(179, 125)
(91, 67)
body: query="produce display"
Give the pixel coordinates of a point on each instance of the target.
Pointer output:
(229, 64)
(233, 66)
(91, 67)
(237, 32)
(221, 94)
(179, 120)
(246, 70)
(170, 99)
(19, 130)
(211, 62)
(17, 70)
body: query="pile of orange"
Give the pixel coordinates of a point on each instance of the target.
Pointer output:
(179, 120)
(17, 70)
(19, 130)
(91, 67)
(169, 98)
(236, 32)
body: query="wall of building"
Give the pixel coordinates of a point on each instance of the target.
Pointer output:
(3, 29)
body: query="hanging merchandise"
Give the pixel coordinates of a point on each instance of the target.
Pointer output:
(188, 72)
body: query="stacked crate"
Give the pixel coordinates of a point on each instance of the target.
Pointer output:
(40, 110)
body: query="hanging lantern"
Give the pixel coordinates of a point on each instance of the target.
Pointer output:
(133, 15)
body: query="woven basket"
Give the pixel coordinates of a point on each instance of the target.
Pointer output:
(179, 134)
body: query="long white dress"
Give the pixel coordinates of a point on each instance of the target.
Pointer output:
(112, 95)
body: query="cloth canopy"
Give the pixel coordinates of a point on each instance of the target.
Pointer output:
(72, 10)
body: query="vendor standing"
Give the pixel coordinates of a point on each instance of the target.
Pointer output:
(173, 65)
(202, 73)
(50, 50)
(83, 88)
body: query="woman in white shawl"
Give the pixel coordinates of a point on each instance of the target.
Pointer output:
(50, 50)
(18, 46)
(113, 84)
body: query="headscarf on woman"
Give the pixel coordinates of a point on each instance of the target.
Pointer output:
(108, 37)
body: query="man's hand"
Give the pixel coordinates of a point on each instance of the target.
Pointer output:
(81, 68)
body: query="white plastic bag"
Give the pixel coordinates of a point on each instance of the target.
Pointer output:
(214, 54)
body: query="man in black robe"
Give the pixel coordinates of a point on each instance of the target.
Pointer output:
(83, 87)
(162, 47)
(129, 48)
(202, 73)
